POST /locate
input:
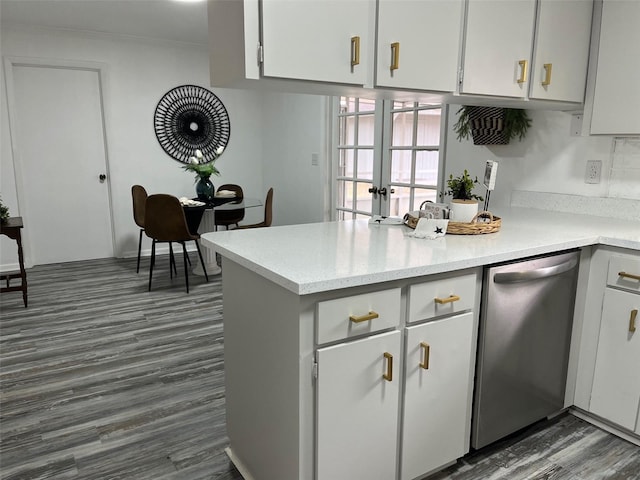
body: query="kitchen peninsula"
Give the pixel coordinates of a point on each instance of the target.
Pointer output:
(306, 305)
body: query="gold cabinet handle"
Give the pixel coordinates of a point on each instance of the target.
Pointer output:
(355, 51)
(629, 275)
(363, 318)
(389, 359)
(523, 71)
(547, 74)
(449, 299)
(632, 320)
(395, 55)
(425, 359)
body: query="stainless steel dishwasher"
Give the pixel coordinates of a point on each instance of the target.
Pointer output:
(523, 344)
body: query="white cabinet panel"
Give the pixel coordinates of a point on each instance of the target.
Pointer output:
(437, 394)
(498, 37)
(443, 296)
(312, 40)
(617, 94)
(561, 54)
(371, 312)
(424, 40)
(616, 383)
(357, 409)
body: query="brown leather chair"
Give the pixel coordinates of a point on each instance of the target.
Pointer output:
(268, 213)
(139, 195)
(230, 217)
(165, 222)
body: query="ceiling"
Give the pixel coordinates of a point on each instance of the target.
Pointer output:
(159, 19)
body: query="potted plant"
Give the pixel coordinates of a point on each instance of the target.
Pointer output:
(464, 205)
(4, 212)
(491, 125)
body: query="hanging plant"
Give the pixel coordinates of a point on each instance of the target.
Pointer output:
(491, 125)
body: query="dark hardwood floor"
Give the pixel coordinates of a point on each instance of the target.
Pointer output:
(101, 379)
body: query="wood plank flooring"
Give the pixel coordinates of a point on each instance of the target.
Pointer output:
(101, 379)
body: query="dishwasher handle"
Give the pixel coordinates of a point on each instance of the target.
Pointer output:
(527, 275)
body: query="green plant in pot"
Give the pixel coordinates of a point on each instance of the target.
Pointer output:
(491, 125)
(464, 205)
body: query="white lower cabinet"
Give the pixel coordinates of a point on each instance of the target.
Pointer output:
(615, 395)
(437, 391)
(358, 390)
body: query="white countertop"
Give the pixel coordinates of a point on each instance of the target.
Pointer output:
(318, 257)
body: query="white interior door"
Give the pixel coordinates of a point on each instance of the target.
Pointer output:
(59, 148)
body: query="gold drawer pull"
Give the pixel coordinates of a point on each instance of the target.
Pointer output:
(425, 362)
(355, 51)
(395, 55)
(523, 71)
(632, 320)
(629, 275)
(450, 299)
(363, 318)
(547, 74)
(389, 359)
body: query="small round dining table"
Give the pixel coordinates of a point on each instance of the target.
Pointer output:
(201, 219)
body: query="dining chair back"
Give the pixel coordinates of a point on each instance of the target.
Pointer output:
(226, 218)
(165, 222)
(268, 213)
(139, 195)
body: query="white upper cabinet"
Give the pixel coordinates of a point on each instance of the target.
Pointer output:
(326, 41)
(502, 57)
(617, 95)
(418, 44)
(561, 51)
(497, 47)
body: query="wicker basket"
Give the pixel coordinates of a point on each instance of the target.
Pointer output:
(461, 228)
(474, 227)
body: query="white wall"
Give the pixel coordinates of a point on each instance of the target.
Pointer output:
(272, 135)
(549, 159)
(295, 129)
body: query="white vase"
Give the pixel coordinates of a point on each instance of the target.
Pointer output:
(463, 210)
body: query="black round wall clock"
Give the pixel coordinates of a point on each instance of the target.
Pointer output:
(189, 118)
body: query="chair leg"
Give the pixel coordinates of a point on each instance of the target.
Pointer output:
(172, 262)
(186, 271)
(139, 249)
(153, 260)
(204, 268)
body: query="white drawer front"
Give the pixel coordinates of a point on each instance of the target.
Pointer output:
(624, 272)
(338, 319)
(442, 297)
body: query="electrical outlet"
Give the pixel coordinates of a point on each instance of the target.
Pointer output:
(593, 171)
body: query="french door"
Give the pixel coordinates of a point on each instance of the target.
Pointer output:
(388, 156)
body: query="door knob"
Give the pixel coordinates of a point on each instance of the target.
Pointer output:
(383, 191)
(102, 177)
(373, 190)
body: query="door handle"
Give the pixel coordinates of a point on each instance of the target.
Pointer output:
(102, 177)
(383, 191)
(527, 275)
(388, 376)
(373, 190)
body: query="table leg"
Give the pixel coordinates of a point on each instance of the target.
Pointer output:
(207, 224)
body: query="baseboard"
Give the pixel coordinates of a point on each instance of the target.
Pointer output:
(238, 464)
(606, 426)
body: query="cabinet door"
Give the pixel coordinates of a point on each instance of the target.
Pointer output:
(618, 72)
(561, 53)
(421, 40)
(616, 382)
(497, 48)
(325, 41)
(357, 409)
(436, 418)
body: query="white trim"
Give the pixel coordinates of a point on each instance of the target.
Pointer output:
(23, 204)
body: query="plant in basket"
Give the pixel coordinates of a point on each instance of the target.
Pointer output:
(464, 205)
